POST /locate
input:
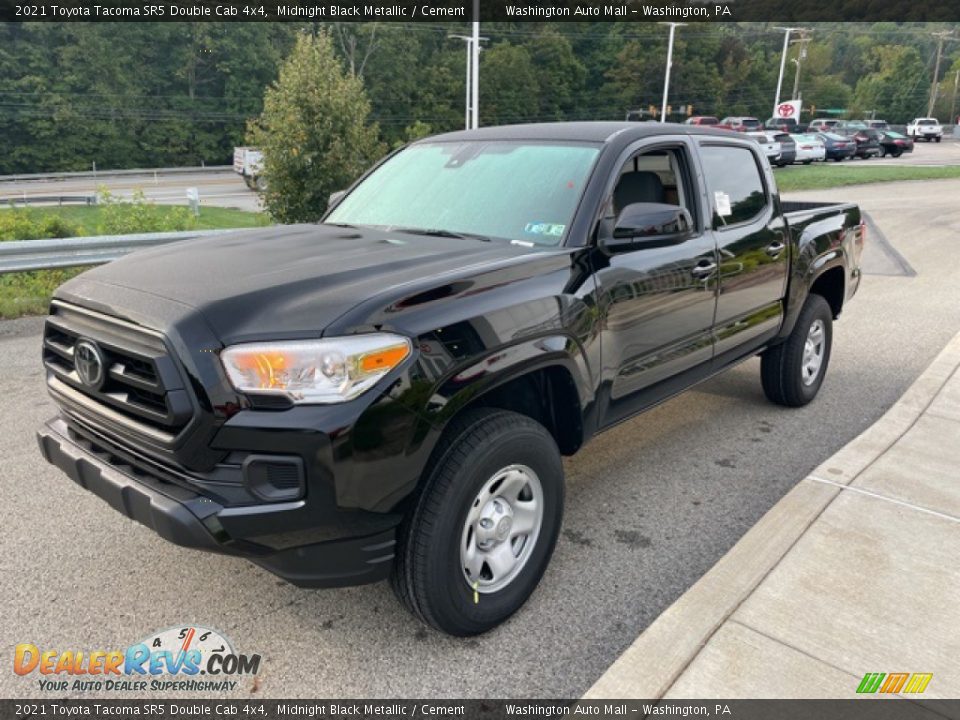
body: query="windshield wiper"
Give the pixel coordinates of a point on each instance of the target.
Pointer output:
(432, 232)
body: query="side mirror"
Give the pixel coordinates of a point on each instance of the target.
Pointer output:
(334, 198)
(649, 225)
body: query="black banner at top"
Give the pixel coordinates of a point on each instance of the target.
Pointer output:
(488, 10)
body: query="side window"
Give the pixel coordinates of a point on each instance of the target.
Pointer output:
(734, 183)
(656, 176)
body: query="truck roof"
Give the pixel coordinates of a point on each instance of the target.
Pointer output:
(600, 132)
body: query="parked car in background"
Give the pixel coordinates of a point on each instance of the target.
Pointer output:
(837, 147)
(771, 148)
(925, 129)
(788, 148)
(787, 125)
(742, 123)
(701, 120)
(822, 125)
(868, 143)
(808, 148)
(895, 144)
(849, 127)
(877, 124)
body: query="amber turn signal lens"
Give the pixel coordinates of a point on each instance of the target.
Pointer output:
(384, 359)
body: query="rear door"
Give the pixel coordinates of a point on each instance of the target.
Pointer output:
(752, 243)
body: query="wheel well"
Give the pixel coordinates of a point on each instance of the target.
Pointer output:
(830, 286)
(549, 396)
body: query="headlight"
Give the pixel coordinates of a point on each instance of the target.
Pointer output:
(315, 371)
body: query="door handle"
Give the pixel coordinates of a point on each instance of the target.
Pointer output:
(775, 248)
(703, 268)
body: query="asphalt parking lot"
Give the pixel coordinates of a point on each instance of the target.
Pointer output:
(651, 505)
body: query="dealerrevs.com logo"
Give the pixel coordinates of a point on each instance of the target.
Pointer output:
(178, 658)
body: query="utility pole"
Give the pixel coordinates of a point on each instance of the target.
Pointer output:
(953, 105)
(801, 56)
(941, 37)
(783, 58)
(666, 79)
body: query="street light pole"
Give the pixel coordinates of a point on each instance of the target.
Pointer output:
(666, 79)
(475, 68)
(469, 97)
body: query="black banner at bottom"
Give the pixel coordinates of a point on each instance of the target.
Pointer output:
(865, 708)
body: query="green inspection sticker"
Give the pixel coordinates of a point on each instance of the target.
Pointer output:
(542, 228)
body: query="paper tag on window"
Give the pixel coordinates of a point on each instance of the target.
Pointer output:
(722, 201)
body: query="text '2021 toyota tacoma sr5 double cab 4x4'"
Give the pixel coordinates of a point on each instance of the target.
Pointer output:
(389, 393)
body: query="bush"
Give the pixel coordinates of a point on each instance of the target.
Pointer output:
(29, 293)
(118, 217)
(25, 225)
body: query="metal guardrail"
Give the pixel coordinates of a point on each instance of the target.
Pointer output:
(60, 200)
(23, 255)
(117, 173)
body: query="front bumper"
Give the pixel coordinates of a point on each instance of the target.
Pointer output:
(192, 520)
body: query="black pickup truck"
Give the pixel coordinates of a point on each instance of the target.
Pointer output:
(388, 393)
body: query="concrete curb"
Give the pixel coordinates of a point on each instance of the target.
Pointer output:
(651, 665)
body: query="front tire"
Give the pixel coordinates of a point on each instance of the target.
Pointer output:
(478, 540)
(793, 371)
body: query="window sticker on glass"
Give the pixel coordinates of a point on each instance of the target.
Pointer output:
(542, 228)
(722, 201)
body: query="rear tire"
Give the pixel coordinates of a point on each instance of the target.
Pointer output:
(939, 139)
(482, 531)
(793, 371)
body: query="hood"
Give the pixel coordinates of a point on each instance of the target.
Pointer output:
(279, 282)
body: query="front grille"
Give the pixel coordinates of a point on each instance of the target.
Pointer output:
(137, 383)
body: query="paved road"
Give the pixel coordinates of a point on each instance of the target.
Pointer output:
(222, 188)
(652, 505)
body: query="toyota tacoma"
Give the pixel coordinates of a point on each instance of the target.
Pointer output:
(388, 393)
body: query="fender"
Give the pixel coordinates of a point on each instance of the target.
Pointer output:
(822, 246)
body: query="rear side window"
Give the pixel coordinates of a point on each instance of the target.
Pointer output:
(735, 184)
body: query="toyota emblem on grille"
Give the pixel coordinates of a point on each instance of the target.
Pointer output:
(88, 360)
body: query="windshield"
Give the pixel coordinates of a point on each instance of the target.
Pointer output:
(512, 190)
(896, 136)
(926, 121)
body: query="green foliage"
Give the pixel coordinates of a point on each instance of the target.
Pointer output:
(139, 216)
(26, 225)
(821, 175)
(29, 293)
(891, 89)
(182, 93)
(314, 131)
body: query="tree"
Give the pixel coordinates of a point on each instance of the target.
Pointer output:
(314, 131)
(509, 90)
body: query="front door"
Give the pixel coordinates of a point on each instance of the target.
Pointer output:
(658, 303)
